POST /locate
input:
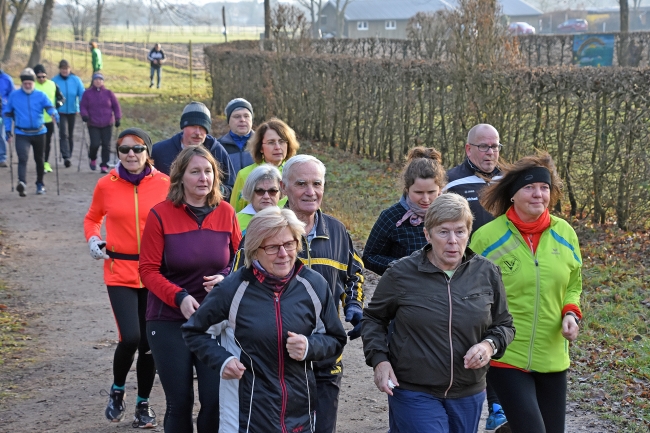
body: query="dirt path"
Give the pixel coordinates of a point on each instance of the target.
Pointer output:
(56, 385)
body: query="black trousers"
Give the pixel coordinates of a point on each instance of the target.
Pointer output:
(48, 139)
(533, 402)
(174, 363)
(100, 137)
(23, 143)
(328, 387)
(66, 134)
(129, 308)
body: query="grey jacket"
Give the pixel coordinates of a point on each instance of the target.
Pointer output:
(437, 319)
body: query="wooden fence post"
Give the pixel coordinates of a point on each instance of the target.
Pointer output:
(190, 60)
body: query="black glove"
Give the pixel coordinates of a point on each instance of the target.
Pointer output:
(353, 315)
(117, 123)
(85, 119)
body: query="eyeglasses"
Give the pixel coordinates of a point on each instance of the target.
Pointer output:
(261, 191)
(486, 147)
(272, 250)
(41, 76)
(272, 143)
(138, 148)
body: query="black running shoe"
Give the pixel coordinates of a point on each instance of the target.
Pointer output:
(144, 417)
(115, 407)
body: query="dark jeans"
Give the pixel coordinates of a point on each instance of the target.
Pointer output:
(23, 142)
(328, 387)
(532, 402)
(129, 308)
(66, 133)
(419, 412)
(174, 363)
(158, 72)
(48, 139)
(100, 137)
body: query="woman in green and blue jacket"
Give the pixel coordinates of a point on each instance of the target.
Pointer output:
(540, 262)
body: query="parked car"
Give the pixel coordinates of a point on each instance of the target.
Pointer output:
(521, 28)
(574, 25)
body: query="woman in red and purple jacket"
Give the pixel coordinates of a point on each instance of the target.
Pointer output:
(187, 245)
(100, 110)
(124, 199)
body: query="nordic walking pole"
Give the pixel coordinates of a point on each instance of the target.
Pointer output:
(11, 155)
(56, 157)
(83, 144)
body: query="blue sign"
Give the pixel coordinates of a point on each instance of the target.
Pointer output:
(593, 50)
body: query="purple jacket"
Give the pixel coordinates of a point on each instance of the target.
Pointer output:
(99, 105)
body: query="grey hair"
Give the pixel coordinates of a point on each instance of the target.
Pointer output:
(266, 224)
(298, 160)
(448, 207)
(259, 174)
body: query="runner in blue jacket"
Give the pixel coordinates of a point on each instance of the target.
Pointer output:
(25, 107)
(73, 89)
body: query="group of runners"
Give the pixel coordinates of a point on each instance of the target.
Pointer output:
(220, 266)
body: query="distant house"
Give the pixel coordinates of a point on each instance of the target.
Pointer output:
(389, 18)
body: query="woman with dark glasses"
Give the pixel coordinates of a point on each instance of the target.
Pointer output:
(261, 190)
(124, 198)
(274, 142)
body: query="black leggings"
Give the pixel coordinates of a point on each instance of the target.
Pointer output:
(66, 133)
(129, 308)
(174, 362)
(100, 137)
(532, 402)
(48, 139)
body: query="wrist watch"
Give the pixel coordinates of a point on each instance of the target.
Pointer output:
(494, 346)
(575, 317)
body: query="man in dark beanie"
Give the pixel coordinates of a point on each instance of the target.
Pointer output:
(239, 115)
(196, 125)
(25, 107)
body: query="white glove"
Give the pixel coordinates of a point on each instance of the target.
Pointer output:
(96, 244)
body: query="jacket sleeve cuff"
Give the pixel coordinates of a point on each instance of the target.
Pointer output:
(572, 308)
(178, 298)
(306, 348)
(378, 357)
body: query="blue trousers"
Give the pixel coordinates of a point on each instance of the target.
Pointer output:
(418, 412)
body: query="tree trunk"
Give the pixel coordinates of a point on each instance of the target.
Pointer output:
(3, 22)
(20, 11)
(98, 17)
(623, 43)
(41, 34)
(267, 19)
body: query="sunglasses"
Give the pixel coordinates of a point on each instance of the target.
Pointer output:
(41, 76)
(138, 148)
(261, 191)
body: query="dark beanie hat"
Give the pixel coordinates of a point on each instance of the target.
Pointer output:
(64, 64)
(39, 69)
(27, 74)
(235, 104)
(196, 113)
(140, 134)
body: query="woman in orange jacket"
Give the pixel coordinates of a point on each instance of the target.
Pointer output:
(124, 198)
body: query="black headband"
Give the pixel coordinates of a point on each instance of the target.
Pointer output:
(532, 175)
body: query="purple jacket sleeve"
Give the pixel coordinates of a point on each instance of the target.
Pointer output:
(83, 105)
(117, 110)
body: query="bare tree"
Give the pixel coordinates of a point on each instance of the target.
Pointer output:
(314, 7)
(18, 8)
(623, 45)
(80, 16)
(267, 19)
(41, 33)
(341, 5)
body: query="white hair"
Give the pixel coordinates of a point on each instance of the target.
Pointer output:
(259, 174)
(299, 160)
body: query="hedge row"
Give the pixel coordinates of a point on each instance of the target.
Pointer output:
(595, 122)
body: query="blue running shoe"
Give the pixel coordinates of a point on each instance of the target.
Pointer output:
(496, 417)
